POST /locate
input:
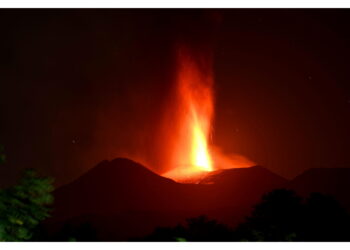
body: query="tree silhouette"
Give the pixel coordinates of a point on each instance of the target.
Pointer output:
(276, 218)
(281, 215)
(324, 220)
(284, 216)
(24, 205)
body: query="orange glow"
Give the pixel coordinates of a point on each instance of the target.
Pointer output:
(187, 124)
(194, 100)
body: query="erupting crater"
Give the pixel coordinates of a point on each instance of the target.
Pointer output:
(189, 121)
(194, 100)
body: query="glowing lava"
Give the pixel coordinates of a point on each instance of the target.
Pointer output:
(192, 117)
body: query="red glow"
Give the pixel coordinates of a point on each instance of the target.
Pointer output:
(190, 122)
(194, 100)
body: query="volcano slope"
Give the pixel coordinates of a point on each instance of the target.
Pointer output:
(329, 181)
(121, 199)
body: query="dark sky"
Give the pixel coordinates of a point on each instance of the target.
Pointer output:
(81, 86)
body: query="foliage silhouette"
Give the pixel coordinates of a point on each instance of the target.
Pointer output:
(281, 215)
(195, 229)
(324, 220)
(275, 218)
(24, 206)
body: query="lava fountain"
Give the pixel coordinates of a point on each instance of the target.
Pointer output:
(192, 117)
(187, 127)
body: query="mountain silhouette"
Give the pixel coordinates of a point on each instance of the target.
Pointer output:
(112, 186)
(331, 181)
(125, 199)
(122, 199)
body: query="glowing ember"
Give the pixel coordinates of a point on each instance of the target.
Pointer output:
(194, 100)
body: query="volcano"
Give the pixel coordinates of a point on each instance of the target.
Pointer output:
(123, 199)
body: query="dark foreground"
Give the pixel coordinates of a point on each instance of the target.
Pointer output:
(124, 201)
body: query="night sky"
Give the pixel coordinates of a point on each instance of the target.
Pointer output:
(81, 86)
